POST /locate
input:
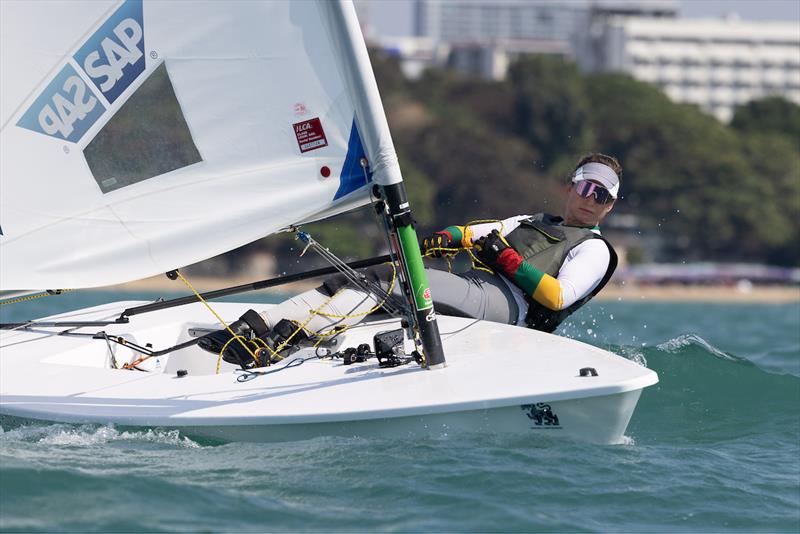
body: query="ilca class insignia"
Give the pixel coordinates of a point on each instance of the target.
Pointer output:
(542, 415)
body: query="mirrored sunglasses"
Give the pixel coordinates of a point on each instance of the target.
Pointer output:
(586, 189)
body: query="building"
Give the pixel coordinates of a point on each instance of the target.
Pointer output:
(416, 53)
(485, 21)
(715, 64)
(484, 36)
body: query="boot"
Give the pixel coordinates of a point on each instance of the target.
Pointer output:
(283, 330)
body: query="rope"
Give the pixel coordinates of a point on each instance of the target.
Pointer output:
(338, 329)
(33, 297)
(376, 308)
(241, 340)
(451, 252)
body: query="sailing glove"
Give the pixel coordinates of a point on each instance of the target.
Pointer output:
(249, 326)
(494, 251)
(432, 245)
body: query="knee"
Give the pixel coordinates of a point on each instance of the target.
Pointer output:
(380, 274)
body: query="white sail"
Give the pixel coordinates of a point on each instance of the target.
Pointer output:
(138, 137)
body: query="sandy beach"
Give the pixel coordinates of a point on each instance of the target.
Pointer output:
(626, 292)
(683, 293)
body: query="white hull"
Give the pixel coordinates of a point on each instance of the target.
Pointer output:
(498, 379)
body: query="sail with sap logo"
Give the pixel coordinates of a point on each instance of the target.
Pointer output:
(138, 137)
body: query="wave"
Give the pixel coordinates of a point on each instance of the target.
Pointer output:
(705, 393)
(87, 435)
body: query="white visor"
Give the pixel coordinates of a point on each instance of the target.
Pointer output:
(600, 173)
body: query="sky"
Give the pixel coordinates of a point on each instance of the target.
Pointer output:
(393, 17)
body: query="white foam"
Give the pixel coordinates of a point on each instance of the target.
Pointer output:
(634, 355)
(685, 340)
(87, 435)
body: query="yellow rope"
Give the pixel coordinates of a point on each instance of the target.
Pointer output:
(242, 340)
(275, 353)
(337, 329)
(33, 297)
(377, 306)
(450, 252)
(228, 328)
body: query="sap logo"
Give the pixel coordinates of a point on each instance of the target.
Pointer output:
(66, 109)
(117, 54)
(113, 56)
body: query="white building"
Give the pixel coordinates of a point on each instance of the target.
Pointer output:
(716, 64)
(416, 53)
(483, 37)
(471, 21)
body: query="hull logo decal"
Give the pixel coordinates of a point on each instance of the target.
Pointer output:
(542, 416)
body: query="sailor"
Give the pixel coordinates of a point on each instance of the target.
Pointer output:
(532, 270)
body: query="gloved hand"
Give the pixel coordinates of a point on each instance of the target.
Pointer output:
(438, 240)
(497, 254)
(249, 326)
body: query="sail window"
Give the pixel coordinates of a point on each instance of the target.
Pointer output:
(147, 137)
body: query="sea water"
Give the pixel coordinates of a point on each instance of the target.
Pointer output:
(715, 446)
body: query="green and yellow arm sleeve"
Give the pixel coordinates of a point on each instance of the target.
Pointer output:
(542, 287)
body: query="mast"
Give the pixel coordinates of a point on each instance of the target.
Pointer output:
(357, 71)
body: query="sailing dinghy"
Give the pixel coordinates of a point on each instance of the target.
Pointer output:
(142, 136)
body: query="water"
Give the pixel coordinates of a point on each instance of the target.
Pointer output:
(715, 446)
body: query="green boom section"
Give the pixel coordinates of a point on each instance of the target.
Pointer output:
(416, 269)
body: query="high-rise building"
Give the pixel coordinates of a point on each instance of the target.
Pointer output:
(716, 64)
(475, 21)
(483, 36)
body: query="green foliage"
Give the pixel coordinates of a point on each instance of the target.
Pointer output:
(421, 192)
(769, 115)
(472, 149)
(387, 71)
(717, 193)
(551, 109)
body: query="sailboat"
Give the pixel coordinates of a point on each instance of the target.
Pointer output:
(138, 137)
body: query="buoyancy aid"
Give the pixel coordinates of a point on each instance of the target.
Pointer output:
(544, 242)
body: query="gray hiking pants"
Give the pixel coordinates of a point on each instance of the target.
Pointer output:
(473, 294)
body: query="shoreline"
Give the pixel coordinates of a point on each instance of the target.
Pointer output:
(622, 292)
(688, 293)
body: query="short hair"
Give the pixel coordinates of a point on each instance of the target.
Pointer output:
(596, 157)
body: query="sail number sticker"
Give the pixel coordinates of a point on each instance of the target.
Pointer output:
(310, 134)
(112, 58)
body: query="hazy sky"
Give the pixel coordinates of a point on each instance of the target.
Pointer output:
(393, 17)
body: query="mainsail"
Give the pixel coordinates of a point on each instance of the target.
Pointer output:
(138, 137)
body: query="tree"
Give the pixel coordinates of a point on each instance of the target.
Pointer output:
(551, 107)
(690, 176)
(769, 115)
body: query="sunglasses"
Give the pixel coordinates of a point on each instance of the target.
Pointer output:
(586, 189)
